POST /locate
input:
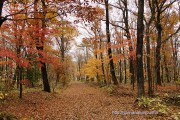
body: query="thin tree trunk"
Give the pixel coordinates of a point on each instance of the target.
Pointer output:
(148, 24)
(19, 72)
(96, 56)
(120, 72)
(166, 66)
(57, 77)
(167, 72)
(20, 79)
(125, 68)
(112, 70)
(150, 89)
(175, 77)
(126, 18)
(102, 61)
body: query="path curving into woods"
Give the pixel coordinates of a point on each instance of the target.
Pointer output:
(79, 101)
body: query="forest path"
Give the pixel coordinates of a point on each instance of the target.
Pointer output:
(79, 101)
(86, 103)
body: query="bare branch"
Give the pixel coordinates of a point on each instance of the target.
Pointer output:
(123, 8)
(170, 36)
(117, 26)
(168, 6)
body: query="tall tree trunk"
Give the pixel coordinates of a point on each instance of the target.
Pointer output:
(20, 79)
(79, 68)
(62, 47)
(43, 68)
(165, 66)
(125, 68)
(112, 70)
(96, 56)
(162, 72)
(158, 50)
(120, 72)
(150, 86)
(46, 85)
(120, 51)
(139, 49)
(148, 24)
(126, 19)
(102, 60)
(40, 46)
(19, 71)
(175, 77)
(62, 44)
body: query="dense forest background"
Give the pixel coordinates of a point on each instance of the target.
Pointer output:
(49, 43)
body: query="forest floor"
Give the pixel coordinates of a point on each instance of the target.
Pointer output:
(79, 101)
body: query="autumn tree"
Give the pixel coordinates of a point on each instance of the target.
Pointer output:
(125, 12)
(160, 8)
(148, 23)
(40, 41)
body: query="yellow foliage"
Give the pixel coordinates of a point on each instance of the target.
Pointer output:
(3, 95)
(92, 68)
(169, 24)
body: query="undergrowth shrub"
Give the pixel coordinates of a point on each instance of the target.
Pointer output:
(110, 89)
(3, 96)
(176, 116)
(7, 116)
(153, 104)
(5, 88)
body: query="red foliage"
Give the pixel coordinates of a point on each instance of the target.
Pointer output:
(24, 82)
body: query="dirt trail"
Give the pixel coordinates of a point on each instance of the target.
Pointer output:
(78, 102)
(87, 103)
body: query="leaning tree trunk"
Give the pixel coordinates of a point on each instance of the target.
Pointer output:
(112, 70)
(139, 49)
